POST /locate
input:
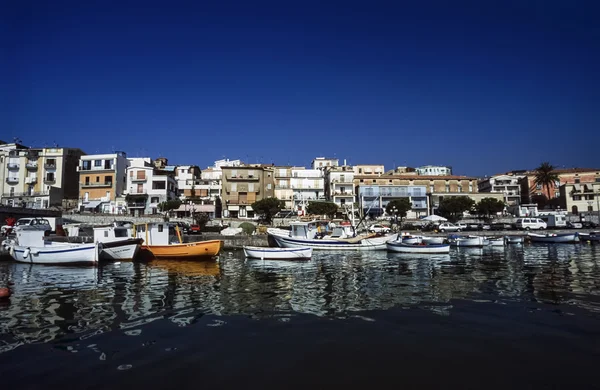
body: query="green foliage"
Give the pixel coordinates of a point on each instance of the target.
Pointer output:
(322, 208)
(169, 205)
(399, 207)
(201, 219)
(268, 207)
(247, 227)
(545, 177)
(452, 207)
(489, 206)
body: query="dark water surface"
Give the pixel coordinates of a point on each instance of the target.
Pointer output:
(525, 317)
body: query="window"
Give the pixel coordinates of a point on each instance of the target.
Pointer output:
(87, 180)
(447, 188)
(154, 199)
(431, 188)
(359, 170)
(159, 185)
(577, 180)
(234, 173)
(269, 186)
(50, 176)
(97, 179)
(250, 173)
(160, 228)
(130, 173)
(106, 233)
(86, 165)
(108, 180)
(250, 187)
(107, 164)
(459, 188)
(97, 163)
(576, 197)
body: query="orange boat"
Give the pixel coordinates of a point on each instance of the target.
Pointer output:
(156, 238)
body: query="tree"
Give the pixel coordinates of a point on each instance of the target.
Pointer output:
(218, 207)
(322, 208)
(452, 207)
(267, 208)
(201, 219)
(488, 206)
(545, 176)
(169, 205)
(399, 208)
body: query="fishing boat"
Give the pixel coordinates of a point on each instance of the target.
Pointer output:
(495, 241)
(270, 253)
(401, 247)
(554, 238)
(467, 241)
(31, 246)
(116, 243)
(412, 239)
(514, 239)
(342, 237)
(157, 241)
(591, 237)
(432, 240)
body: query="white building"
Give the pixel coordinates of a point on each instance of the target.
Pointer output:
(102, 179)
(306, 185)
(507, 184)
(148, 186)
(208, 185)
(324, 162)
(339, 185)
(434, 170)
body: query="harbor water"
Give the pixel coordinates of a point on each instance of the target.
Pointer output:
(523, 316)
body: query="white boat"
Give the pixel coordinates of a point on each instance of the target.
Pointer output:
(495, 241)
(432, 240)
(468, 241)
(591, 236)
(412, 239)
(270, 253)
(401, 247)
(309, 234)
(30, 246)
(116, 243)
(514, 239)
(554, 238)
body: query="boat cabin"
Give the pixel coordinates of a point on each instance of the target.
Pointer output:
(159, 233)
(319, 229)
(28, 236)
(111, 233)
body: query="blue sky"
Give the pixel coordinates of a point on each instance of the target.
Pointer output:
(483, 86)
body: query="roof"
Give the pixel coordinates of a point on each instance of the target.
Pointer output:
(566, 170)
(416, 177)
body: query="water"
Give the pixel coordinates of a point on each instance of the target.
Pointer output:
(528, 316)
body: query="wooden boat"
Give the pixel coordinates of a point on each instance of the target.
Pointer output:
(591, 237)
(432, 240)
(115, 243)
(554, 238)
(514, 239)
(468, 241)
(269, 253)
(401, 247)
(30, 246)
(156, 240)
(307, 234)
(495, 241)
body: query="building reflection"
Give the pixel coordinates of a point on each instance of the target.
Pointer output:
(49, 303)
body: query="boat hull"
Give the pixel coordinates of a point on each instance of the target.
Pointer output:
(120, 249)
(366, 244)
(57, 254)
(554, 238)
(514, 239)
(188, 251)
(468, 242)
(432, 240)
(267, 253)
(589, 237)
(401, 247)
(497, 242)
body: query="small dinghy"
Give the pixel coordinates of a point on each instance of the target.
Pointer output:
(495, 241)
(591, 237)
(271, 253)
(401, 247)
(468, 241)
(554, 238)
(514, 239)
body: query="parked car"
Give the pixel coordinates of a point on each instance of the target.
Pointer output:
(530, 223)
(501, 226)
(40, 223)
(462, 225)
(448, 227)
(589, 225)
(574, 225)
(377, 228)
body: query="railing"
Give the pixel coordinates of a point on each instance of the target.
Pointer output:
(136, 204)
(105, 184)
(139, 178)
(136, 191)
(31, 180)
(49, 180)
(50, 165)
(12, 179)
(347, 194)
(22, 194)
(12, 166)
(31, 165)
(244, 177)
(95, 169)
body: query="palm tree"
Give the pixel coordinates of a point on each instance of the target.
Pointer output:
(545, 177)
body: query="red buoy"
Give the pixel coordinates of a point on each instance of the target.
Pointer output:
(4, 292)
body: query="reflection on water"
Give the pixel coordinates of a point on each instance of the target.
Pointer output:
(55, 303)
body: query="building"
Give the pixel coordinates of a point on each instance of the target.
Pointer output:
(306, 185)
(434, 170)
(581, 198)
(243, 185)
(433, 188)
(324, 162)
(189, 181)
(339, 186)
(40, 177)
(148, 186)
(507, 184)
(369, 169)
(283, 187)
(529, 189)
(102, 179)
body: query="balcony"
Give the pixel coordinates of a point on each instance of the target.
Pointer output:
(50, 179)
(12, 166)
(95, 169)
(31, 165)
(12, 180)
(136, 205)
(48, 165)
(138, 179)
(244, 178)
(343, 194)
(24, 194)
(137, 191)
(342, 182)
(93, 185)
(31, 180)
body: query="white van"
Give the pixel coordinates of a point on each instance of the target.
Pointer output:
(555, 220)
(531, 223)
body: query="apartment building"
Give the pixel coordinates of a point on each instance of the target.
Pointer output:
(283, 186)
(306, 185)
(102, 179)
(339, 185)
(368, 169)
(508, 184)
(581, 197)
(324, 162)
(434, 170)
(243, 185)
(188, 179)
(529, 189)
(148, 186)
(40, 177)
(374, 198)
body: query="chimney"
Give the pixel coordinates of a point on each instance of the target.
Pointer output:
(344, 162)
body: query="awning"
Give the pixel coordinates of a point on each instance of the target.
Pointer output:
(233, 208)
(197, 208)
(589, 188)
(92, 204)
